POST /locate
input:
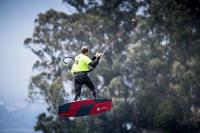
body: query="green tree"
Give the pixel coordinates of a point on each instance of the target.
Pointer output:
(152, 74)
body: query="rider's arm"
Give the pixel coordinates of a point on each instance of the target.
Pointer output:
(95, 62)
(93, 58)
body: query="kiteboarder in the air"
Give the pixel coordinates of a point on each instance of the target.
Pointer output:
(82, 65)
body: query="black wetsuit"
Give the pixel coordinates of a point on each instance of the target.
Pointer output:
(82, 78)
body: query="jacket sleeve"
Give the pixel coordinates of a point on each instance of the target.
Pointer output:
(95, 62)
(93, 58)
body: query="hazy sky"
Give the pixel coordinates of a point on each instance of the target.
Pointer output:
(17, 23)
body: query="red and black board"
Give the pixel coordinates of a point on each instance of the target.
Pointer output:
(85, 107)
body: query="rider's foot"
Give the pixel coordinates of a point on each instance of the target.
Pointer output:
(76, 98)
(94, 94)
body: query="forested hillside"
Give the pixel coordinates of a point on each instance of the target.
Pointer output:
(152, 73)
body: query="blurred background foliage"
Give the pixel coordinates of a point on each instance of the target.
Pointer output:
(151, 74)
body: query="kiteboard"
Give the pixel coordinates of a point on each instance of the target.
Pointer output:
(85, 107)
